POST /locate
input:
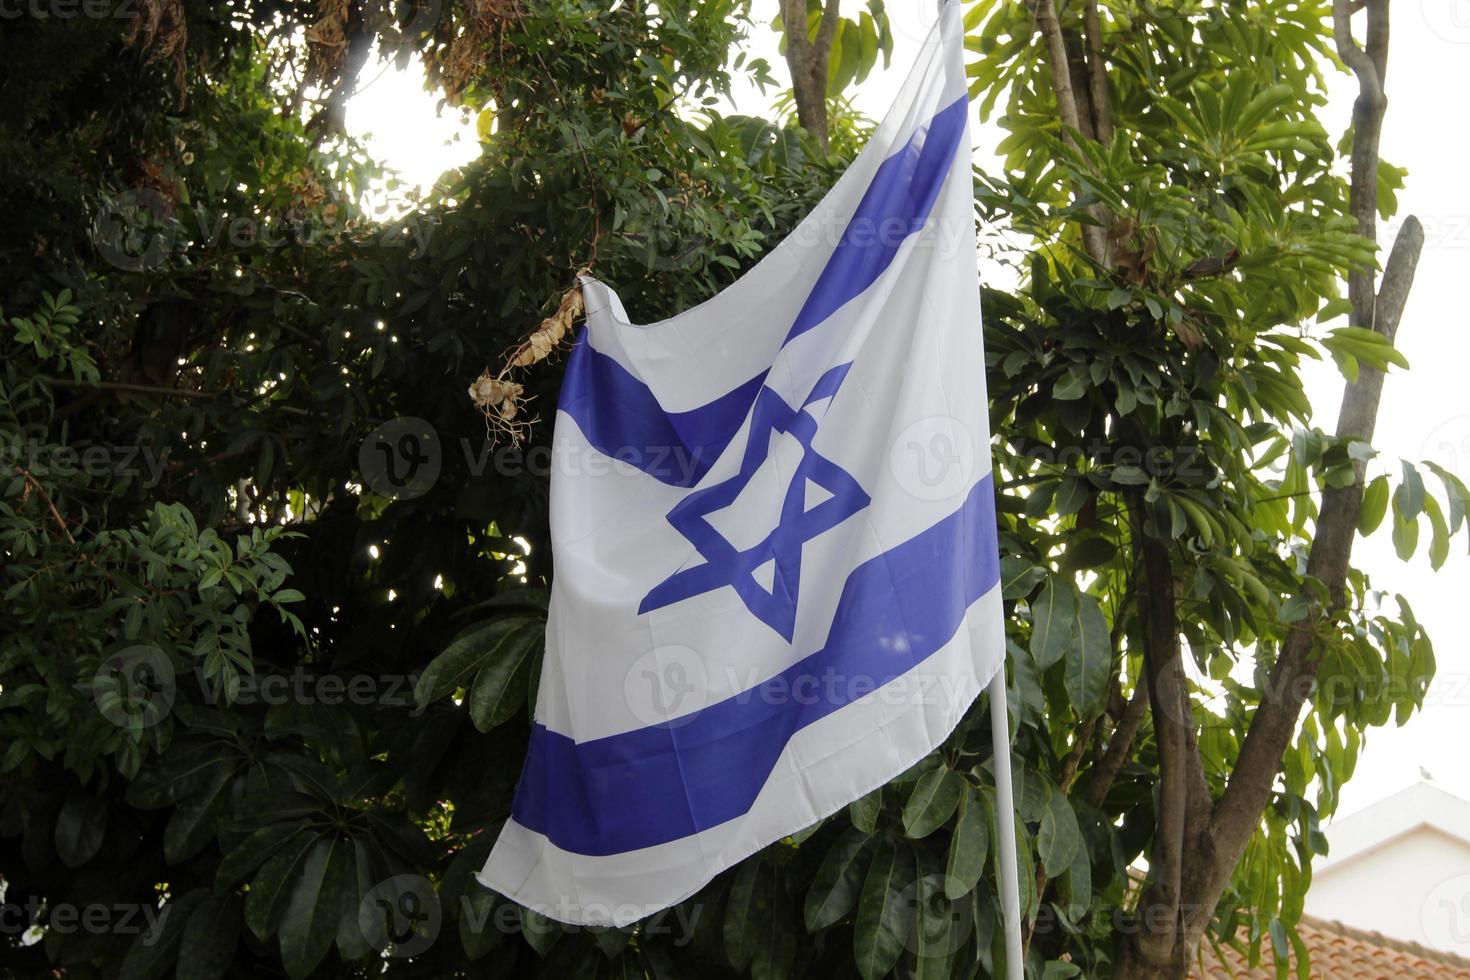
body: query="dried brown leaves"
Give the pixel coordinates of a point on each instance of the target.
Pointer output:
(479, 32)
(500, 399)
(326, 41)
(160, 29)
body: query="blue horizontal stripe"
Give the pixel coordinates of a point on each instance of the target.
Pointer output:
(895, 206)
(620, 416)
(664, 782)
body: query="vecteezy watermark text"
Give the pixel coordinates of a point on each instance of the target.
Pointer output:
(38, 456)
(304, 688)
(68, 9)
(95, 918)
(140, 229)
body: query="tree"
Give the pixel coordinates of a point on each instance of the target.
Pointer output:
(1205, 212)
(261, 664)
(217, 598)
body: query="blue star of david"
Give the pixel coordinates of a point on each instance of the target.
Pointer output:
(726, 565)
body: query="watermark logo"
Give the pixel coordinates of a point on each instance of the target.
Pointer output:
(401, 916)
(134, 688)
(934, 458)
(1445, 914)
(666, 685)
(401, 458)
(136, 230)
(1448, 444)
(1448, 19)
(913, 21)
(939, 926)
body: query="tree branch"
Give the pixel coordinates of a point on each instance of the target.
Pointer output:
(1120, 746)
(35, 485)
(1070, 766)
(1094, 237)
(1238, 812)
(1097, 75)
(1368, 109)
(133, 389)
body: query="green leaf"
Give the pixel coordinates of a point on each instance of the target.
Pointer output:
(1089, 552)
(1198, 518)
(1365, 345)
(1089, 660)
(863, 811)
(1439, 537)
(1071, 495)
(1059, 837)
(186, 769)
(463, 658)
(265, 903)
(500, 689)
(883, 916)
(967, 847)
(1455, 493)
(838, 881)
(251, 853)
(1076, 885)
(932, 941)
(1072, 385)
(1375, 505)
(208, 945)
(478, 933)
(81, 826)
(933, 801)
(1129, 476)
(154, 952)
(540, 932)
(193, 823)
(314, 908)
(352, 944)
(1018, 576)
(1405, 537)
(1408, 499)
(744, 916)
(1052, 619)
(776, 945)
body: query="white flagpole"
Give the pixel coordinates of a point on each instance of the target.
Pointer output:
(1005, 821)
(1000, 729)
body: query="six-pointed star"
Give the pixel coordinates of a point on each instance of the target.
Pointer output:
(724, 563)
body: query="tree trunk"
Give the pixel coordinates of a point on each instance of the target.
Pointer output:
(807, 59)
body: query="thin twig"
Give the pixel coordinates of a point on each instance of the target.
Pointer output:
(133, 388)
(46, 497)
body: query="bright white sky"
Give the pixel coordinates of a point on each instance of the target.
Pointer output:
(1426, 411)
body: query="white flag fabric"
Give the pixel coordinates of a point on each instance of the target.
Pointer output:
(773, 532)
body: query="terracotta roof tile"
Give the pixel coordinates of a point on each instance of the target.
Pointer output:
(1341, 952)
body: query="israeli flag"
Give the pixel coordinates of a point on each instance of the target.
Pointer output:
(776, 573)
